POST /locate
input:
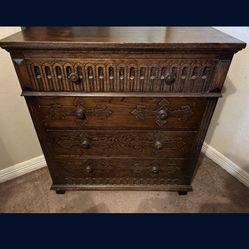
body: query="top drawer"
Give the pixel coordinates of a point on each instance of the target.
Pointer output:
(121, 75)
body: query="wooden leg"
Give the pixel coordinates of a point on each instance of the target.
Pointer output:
(60, 192)
(182, 192)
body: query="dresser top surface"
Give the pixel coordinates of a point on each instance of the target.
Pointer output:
(121, 37)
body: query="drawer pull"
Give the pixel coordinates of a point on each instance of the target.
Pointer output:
(74, 77)
(158, 145)
(89, 169)
(154, 170)
(80, 113)
(162, 114)
(170, 78)
(85, 144)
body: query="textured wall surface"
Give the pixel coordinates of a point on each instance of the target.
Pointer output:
(18, 141)
(229, 129)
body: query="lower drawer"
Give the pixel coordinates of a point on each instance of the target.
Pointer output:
(155, 144)
(122, 171)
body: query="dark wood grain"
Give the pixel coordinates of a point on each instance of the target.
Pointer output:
(121, 108)
(117, 171)
(80, 144)
(120, 113)
(121, 94)
(61, 188)
(121, 37)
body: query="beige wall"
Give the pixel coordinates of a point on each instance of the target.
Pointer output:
(18, 141)
(229, 130)
(228, 133)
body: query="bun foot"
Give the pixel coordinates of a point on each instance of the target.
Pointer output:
(60, 192)
(182, 192)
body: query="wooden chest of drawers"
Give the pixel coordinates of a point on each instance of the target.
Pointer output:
(121, 108)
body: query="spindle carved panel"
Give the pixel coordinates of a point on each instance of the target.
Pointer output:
(170, 75)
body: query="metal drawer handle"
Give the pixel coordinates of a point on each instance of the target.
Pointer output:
(74, 77)
(154, 170)
(89, 169)
(85, 144)
(162, 114)
(80, 113)
(158, 145)
(170, 78)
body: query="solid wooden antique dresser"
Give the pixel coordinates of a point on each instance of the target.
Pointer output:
(121, 108)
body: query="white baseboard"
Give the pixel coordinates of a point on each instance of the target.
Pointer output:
(226, 164)
(22, 168)
(39, 162)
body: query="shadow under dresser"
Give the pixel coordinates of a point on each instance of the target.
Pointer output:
(121, 108)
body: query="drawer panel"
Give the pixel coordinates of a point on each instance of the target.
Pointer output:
(120, 113)
(122, 171)
(121, 75)
(80, 144)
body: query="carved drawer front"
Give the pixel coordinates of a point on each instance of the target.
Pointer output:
(122, 75)
(120, 113)
(118, 171)
(121, 143)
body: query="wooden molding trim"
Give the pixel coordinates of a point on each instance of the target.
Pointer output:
(232, 168)
(22, 168)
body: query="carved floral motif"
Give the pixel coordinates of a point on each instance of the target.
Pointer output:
(100, 111)
(58, 112)
(183, 113)
(55, 112)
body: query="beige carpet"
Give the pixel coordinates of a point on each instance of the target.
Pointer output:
(214, 191)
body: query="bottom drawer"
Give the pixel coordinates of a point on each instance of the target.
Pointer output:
(122, 171)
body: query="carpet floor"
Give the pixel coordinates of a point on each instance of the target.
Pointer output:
(214, 191)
